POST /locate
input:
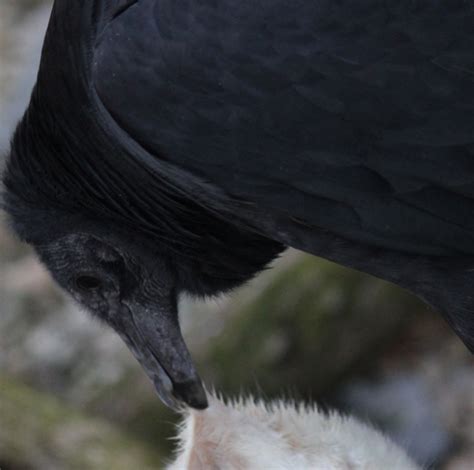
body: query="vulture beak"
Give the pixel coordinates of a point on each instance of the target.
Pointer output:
(153, 335)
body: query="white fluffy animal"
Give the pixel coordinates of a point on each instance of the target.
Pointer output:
(250, 435)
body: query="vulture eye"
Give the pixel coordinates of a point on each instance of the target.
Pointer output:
(86, 282)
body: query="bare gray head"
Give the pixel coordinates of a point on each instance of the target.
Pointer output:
(133, 290)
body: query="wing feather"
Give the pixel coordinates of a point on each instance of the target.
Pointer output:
(356, 118)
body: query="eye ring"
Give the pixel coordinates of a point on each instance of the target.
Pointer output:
(87, 282)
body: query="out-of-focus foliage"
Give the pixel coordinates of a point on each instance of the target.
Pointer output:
(38, 432)
(314, 322)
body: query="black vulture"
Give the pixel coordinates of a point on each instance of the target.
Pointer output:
(179, 146)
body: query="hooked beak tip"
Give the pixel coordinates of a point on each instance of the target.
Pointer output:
(182, 394)
(155, 340)
(192, 393)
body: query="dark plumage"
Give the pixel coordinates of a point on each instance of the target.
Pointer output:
(180, 146)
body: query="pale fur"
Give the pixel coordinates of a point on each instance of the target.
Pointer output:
(250, 435)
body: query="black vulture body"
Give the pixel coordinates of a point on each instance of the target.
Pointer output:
(219, 132)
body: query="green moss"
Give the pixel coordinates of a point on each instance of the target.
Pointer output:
(39, 432)
(311, 324)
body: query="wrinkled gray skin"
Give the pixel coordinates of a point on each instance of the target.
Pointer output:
(136, 297)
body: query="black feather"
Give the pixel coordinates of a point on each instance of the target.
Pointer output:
(223, 129)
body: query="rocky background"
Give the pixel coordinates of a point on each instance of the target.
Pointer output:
(72, 397)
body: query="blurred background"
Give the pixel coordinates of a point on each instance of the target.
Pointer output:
(72, 396)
